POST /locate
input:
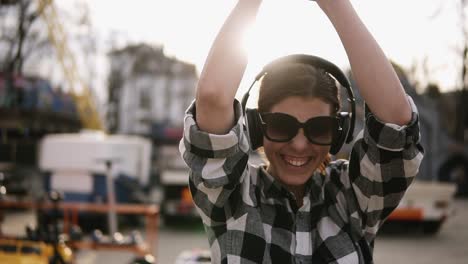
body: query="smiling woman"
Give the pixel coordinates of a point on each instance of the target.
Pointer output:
(291, 211)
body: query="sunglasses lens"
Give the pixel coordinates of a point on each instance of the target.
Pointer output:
(279, 127)
(320, 130)
(283, 127)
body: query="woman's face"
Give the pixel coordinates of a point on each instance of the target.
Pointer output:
(294, 162)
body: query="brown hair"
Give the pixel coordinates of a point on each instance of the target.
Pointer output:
(297, 79)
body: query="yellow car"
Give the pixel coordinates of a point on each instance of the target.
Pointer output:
(30, 252)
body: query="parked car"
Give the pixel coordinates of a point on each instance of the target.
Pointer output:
(427, 204)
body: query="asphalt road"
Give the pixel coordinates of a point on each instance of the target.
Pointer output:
(449, 245)
(395, 245)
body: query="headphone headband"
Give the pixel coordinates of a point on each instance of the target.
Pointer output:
(315, 61)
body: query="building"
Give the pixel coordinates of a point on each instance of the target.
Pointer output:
(148, 91)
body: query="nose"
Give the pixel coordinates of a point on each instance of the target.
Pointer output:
(300, 141)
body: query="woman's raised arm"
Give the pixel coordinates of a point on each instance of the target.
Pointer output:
(223, 70)
(374, 74)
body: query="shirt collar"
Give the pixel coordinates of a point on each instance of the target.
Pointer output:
(272, 188)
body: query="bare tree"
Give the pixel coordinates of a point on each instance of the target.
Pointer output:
(461, 106)
(20, 36)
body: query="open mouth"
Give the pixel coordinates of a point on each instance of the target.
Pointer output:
(296, 161)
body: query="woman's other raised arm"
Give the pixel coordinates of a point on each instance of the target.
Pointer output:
(374, 74)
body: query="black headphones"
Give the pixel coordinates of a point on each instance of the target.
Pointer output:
(346, 120)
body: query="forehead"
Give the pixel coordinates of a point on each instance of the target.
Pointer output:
(303, 108)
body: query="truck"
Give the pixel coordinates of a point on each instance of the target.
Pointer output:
(425, 204)
(75, 164)
(174, 177)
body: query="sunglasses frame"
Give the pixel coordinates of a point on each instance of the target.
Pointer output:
(299, 126)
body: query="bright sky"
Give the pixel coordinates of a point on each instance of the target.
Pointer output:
(186, 28)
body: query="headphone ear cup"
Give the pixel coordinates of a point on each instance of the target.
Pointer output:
(254, 128)
(341, 134)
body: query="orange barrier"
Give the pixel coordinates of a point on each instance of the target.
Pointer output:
(414, 214)
(70, 212)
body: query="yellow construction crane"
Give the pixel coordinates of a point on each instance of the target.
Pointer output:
(84, 100)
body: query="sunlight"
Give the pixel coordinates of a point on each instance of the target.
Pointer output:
(284, 27)
(287, 28)
(277, 32)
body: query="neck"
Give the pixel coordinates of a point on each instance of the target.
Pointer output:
(298, 191)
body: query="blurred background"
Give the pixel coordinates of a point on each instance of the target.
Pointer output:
(92, 99)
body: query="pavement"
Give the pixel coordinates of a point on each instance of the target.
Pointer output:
(401, 245)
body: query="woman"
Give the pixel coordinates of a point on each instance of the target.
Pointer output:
(288, 211)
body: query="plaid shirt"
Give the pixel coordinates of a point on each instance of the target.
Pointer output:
(250, 217)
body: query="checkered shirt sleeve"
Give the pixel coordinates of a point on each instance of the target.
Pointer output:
(217, 164)
(384, 161)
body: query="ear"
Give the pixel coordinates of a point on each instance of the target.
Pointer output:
(254, 128)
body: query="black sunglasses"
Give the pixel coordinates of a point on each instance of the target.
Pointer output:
(281, 127)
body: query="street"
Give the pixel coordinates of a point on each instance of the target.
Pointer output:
(398, 246)
(402, 246)
(447, 246)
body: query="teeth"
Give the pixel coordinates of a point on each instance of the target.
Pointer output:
(297, 162)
